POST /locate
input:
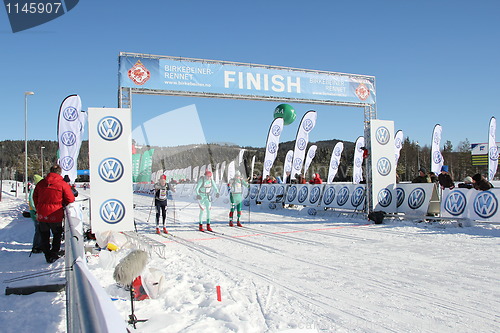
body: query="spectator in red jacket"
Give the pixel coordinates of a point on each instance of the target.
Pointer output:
(316, 180)
(51, 195)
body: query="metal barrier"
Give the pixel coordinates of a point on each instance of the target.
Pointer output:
(88, 307)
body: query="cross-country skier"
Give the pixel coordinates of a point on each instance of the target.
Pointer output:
(235, 195)
(161, 193)
(203, 191)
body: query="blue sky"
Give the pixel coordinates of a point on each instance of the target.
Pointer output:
(434, 62)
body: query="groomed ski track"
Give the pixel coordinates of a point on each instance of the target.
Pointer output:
(285, 269)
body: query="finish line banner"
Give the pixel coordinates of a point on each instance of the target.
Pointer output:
(243, 80)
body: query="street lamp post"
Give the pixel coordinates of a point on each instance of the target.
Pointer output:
(41, 151)
(26, 94)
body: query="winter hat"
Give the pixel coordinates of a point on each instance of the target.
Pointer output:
(477, 177)
(208, 173)
(36, 179)
(66, 179)
(468, 180)
(422, 170)
(444, 168)
(163, 177)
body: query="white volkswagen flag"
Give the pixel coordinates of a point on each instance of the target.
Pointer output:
(311, 152)
(287, 166)
(492, 150)
(240, 156)
(70, 133)
(335, 161)
(203, 168)
(252, 168)
(437, 157)
(195, 173)
(217, 175)
(231, 170)
(306, 125)
(222, 170)
(398, 144)
(357, 169)
(273, 140)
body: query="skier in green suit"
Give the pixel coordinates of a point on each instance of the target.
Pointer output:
(203, 191)
(236, 196)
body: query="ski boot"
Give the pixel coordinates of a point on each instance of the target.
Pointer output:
(201, 227)
(157, 230)
(209, 228)
(165, 230)
(231, 224)
(239, 224)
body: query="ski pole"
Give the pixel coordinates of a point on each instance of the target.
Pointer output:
(150, 209)
(173, 204)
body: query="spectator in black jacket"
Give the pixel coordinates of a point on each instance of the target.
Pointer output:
(480, 183)
(445, 179)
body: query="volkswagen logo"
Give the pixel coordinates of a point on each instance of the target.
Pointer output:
(416, 198)
(253, 192)
(357, 196)
(268, 164)
(109, 128)
(400, 195)
(68, 138)
(358, 162)
(437, 157)
(337, 151)
(279, 193)
(276, 130)
(329, 195)
(262, 193)
(384, 197)
(343, 196)
(384, 166)
(382, 135)
(289, 157)
(398, 143)
(302, 196)
(315, 192)
(455, 203)
(70, 113)
(271, 192)
(437, 138)
(112, 211)
(334, 165)
(67, 163)
(494, 153)
(292, 193)
(301, 144)
(312, 153)
(308, 125)
(359, 146)
(272, 147)
(297, 163)
(111, 170)
(485, 204)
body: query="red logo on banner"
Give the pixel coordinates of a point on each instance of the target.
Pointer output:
(139, 73)
(362, 92)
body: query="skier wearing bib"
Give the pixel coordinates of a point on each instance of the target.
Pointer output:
(161, 192)
(203, 190)
(236, 196)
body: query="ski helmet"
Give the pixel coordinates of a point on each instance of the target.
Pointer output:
(208, 173)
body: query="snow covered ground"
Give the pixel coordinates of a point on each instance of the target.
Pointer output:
(285, 271)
